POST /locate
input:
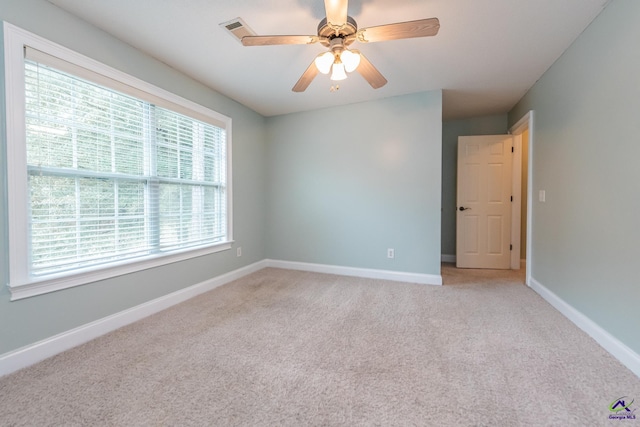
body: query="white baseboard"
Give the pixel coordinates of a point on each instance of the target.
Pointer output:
(31, 354)
(619, 350)
(396, 276)
(448, 258)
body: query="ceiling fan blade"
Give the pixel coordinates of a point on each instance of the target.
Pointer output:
(401, 30)
(370, 73)
(306, 78)
(274, 40)
(336, 12)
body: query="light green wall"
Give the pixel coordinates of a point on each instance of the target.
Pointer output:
(585, 156)
(451, 130)
(347, 183)
(27, 321)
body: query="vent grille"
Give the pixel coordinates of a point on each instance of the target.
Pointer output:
(234, 25)
(238, 29)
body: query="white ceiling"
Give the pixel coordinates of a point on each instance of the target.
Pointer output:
(487, 54)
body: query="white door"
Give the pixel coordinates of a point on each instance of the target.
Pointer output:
(483, 212)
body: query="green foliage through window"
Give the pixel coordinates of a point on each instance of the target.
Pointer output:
(113, 177)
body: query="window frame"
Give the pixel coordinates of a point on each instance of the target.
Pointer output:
(21, 284)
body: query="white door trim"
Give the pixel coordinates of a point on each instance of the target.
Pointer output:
(527, 122)
(516, 193)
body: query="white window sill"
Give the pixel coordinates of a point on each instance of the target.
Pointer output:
(52, 283)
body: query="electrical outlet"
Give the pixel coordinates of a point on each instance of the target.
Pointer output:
(239, 251)
(391, 253)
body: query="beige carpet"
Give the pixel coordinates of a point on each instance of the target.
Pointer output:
(295, 348)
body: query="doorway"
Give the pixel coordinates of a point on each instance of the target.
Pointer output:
(523, 137)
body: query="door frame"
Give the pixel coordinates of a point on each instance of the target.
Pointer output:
(516, 194)
(526, 122)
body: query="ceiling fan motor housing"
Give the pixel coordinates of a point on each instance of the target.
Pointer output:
(350, 28)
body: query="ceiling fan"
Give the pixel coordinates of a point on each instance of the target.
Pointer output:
(337, 31)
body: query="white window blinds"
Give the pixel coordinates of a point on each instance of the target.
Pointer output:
(115, 173)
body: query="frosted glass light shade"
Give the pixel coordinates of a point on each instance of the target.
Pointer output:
(324, 62)
(350, 59)
(338, 72)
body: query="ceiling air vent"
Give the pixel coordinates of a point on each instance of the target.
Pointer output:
(238, 28)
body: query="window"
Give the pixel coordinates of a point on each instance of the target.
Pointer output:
(107, 174)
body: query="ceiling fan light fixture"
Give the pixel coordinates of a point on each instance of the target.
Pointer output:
(338, 71)
(350, 59)
(324, 62)
(337, 31)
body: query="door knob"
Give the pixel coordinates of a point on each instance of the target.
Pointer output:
(463, 208)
